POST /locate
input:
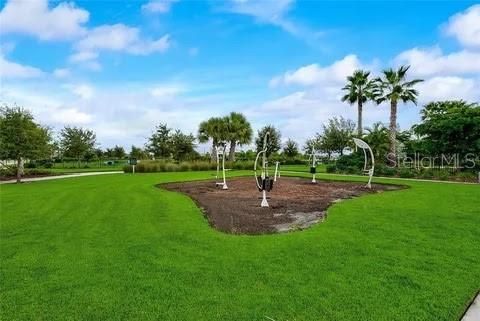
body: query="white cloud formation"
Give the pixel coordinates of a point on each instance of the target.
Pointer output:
(71, 116)
(268, 12)
(10, 69)
(431, 61)
(166, 91)
(61, 72)
(315, 74)
(465, 26)
(120, 37)
(158, 6)
(83, 56)
(449, 88)
(83, 91)
(34, 17)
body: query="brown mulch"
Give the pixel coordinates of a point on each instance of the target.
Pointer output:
(295, 203)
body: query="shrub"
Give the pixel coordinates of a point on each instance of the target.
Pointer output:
(346, 163)
(384, 170)
(31, 165)
(442, 175)
(406, 172)
(184, 167)
(331, 168)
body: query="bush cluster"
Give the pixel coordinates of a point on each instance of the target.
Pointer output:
(11, 172)
(163, 166)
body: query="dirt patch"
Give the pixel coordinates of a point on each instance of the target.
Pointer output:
(295, 203)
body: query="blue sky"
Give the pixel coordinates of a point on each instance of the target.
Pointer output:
(121, 67)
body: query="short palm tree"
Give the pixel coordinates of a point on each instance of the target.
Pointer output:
(377, 138)
(359, 89)
(215, 129)
(394, 87)
(240, 132)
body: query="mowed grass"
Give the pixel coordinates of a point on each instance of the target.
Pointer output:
(116, 247)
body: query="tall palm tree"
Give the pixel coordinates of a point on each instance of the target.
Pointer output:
(394, 87)
(240, 132)
(216, 129)
(359, 89)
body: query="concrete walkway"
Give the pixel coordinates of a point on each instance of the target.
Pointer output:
(473, 312)
(47, 178)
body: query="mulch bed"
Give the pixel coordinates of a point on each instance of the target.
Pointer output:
(295, 203)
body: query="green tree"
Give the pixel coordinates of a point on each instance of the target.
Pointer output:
(160, 142)
(76, 142)
(291, 149)
(377, 138)
(183, 145)
(273, 142)
(311, 144)
(214, 129)
(21, 137)
(119, 152)
(359, 89)
(394, 87)
(450, 127)
(240, 132)
(138, 153)
(337, 135)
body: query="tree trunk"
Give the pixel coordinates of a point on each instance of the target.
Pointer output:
(360, 116)
(393, 131)
(19, 169)
(213, 154)
(231, 156)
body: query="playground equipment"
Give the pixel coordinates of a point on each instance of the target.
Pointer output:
(368, 171)
(264, 182)
(313, 166)
(277, 171)
(221, 153)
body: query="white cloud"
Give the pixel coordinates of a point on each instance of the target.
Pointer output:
(166, 91)
(83, 56)
(61, 72)
(268, 12)
(315, 74)
(71, 116)
(449, 88)
(120, 37)
(83, 91)
(10, 69)
(158, 6)
(427, 62)
(34, 17)
(465, 26)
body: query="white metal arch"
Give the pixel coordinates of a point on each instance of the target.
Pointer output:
(365, 147)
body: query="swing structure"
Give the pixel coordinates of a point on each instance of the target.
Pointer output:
(313, 165)
(277, 171)
(263, 181)
(221, 154)
(367, 171)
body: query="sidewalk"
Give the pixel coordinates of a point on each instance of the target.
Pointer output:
(473, 312)
(47, 178)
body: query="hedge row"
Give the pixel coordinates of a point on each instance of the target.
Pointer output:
(162, 166)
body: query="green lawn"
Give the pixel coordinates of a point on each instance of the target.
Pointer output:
(115, 247)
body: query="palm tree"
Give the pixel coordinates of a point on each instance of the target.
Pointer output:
(394, 87)
(240, 132)
(377, 138)
(359, 89)
(216, 129)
